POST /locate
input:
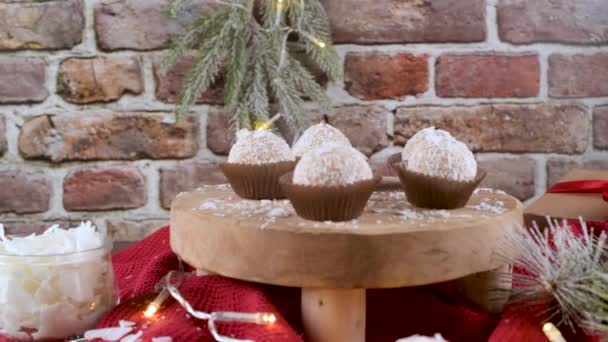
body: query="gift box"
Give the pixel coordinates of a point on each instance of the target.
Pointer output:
(581, 193)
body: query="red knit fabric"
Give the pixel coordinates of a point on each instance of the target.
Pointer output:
(392, 314)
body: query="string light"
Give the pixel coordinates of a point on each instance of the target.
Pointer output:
(264, 126)
(552, 333)
(174, 279)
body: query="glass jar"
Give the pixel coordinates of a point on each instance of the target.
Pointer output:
(47, 297)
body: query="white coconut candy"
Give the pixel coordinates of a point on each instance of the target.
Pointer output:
(332, 165)
(54, 285)
(436, 153)
(259, 147)
(420, 138)
(317, 135)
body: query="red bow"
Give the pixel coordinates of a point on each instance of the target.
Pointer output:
(583, 186)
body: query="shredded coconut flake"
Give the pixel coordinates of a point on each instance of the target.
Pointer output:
(107, 334)
(419, 338)
(133, 337)
(48, 289)
(162, 339)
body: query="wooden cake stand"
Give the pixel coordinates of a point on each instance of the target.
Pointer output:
(391, 245)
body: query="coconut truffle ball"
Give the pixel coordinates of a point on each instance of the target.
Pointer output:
(259, 147)
(318, 135)
(332, 165)
(441, 155)
(421, 138)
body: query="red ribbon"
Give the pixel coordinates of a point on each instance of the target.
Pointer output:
(582, 186)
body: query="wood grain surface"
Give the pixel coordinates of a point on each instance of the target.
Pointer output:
(391, 245)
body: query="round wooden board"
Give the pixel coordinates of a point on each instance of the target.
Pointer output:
(391, 245)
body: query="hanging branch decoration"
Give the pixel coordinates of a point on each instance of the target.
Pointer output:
(257, 52)
(564, 273)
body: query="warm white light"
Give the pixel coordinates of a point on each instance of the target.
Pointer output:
(266, 125)
(151, 310)
(269, 318)
(552, 333)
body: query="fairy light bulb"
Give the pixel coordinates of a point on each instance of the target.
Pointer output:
(154, 306)
(150, 311)
(267, 318)
(552, 333)
(265, 125)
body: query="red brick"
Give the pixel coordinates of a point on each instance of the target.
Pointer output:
(487, 75)
(557, 167)
(22, 80)
(578, 75)
(123, 230)
(376, 75)
(24, 192)
(139, 24)
(600, 127)
(504, 127)
(107, 136)
(398, 21)
(100, 79)
(34, 227)
(379, 161)
(513, 175)
(104, 188)
(41, 25)
(365, 126)
(219, 133)
(187, 177)
(168, 86)
(558, 21)
(2, 135)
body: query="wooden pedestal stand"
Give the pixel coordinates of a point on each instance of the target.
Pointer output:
(390, 245)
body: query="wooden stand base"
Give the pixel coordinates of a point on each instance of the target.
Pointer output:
(490, 290)
(334, 315)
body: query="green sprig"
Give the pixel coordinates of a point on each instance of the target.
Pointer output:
(258, 57)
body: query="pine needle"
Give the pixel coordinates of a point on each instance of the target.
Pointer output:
(564, 272)
(260, 68)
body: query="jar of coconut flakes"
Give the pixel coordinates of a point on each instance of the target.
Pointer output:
(55, 285)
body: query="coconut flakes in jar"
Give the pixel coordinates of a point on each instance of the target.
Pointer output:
(56, 284)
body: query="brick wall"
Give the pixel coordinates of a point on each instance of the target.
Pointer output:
(86, 129)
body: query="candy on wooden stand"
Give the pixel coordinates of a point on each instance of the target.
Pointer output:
(256, 162)
(332, 250)
(436, 170)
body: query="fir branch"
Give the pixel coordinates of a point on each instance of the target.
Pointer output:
(195, 35)
(237, 64)
(260, 67)
(326, 58)
(564, 272)
(305, 82)
(206, 66)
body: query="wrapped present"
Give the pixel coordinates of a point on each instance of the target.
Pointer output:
(580, 194)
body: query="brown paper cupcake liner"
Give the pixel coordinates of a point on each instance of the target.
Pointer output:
(328, 203)
(257, 182)
(436, 192)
